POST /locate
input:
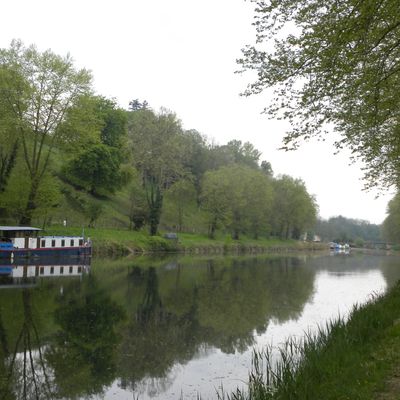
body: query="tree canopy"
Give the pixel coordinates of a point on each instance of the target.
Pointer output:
(391, 224)
(333, 63)
(42, 87)
(156, 146)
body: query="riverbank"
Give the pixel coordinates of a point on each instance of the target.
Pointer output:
(113, 242)
(357, 359)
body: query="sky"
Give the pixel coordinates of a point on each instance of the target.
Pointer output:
(181, 54)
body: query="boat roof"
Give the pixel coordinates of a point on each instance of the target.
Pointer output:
(18, 228)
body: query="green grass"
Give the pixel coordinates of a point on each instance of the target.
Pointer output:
(124, 241)
(344, 360)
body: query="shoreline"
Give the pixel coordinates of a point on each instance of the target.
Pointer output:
(113, 242)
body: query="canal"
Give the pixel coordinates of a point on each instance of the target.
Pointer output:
(167, 327)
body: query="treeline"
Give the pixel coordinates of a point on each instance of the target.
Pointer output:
(63, 146)
(391, 224)
(346, 230)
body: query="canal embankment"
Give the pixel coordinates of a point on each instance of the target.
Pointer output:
(113, 242)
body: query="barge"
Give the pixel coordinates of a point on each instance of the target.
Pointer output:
(24, 242)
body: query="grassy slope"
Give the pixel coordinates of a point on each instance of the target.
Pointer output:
(120, 241)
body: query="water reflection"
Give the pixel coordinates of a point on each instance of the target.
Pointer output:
(135, 324)
(82, 354)
(23, 368)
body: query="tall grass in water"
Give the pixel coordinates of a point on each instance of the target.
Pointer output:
(342, 360)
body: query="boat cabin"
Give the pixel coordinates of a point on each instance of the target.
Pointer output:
(26, 237)
(10, 232)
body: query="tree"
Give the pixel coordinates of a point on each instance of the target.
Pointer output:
(340, 227)
(82, 358)
(181, 194)
(156, 145)
(50, 85)
(138, 209)
(295, 210)
(260, 200)
(391, 224)
(95, 135)
(333, 63)
(114, 122)
(96, 169)
(266, 168)
(234, 152)
(15, 196)
(9, 141)
(135, 105)
(215, 199)
(198, 156)
(238, 198)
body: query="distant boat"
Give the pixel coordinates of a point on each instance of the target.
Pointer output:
(23, 242)
(337, 247)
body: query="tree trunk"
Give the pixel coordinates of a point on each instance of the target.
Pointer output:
(31, 203)
(155, 207)
(212, 229)
(7, 164)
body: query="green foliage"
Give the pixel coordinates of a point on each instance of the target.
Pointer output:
(334, 63)
(295, 210)
(234, 152)
(67, 153)
(138, 208)
(96, 129)
(93, 211)
(347, 230)
(15, 196)
(239, 198)
(9, 81)
(391, 224)
(215, 199)
(114, 122)
(157, 149)
(47, 86)
(84, 361)
(181, 195)
(96, 169)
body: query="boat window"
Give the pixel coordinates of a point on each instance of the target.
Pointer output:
(71, 269)
(79, 270)
(72, 242)
(80, 242)
(61, 270)
(41, 270)
(53, 243)
(51, 270)
(62, 243)
(43, 243)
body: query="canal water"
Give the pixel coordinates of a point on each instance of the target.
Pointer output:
(167, 328)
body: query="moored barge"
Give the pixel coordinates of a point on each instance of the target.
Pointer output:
(24, 242)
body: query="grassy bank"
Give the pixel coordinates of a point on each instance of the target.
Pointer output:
(123, 242)
(345, 360)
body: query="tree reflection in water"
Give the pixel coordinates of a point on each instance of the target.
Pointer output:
(83, 354)
(182, 311)
(155, 338)
(25, 373)
(175, 312)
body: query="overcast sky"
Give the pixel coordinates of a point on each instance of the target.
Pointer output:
(180, 54)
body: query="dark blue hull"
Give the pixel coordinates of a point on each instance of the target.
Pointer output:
(57, 252)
